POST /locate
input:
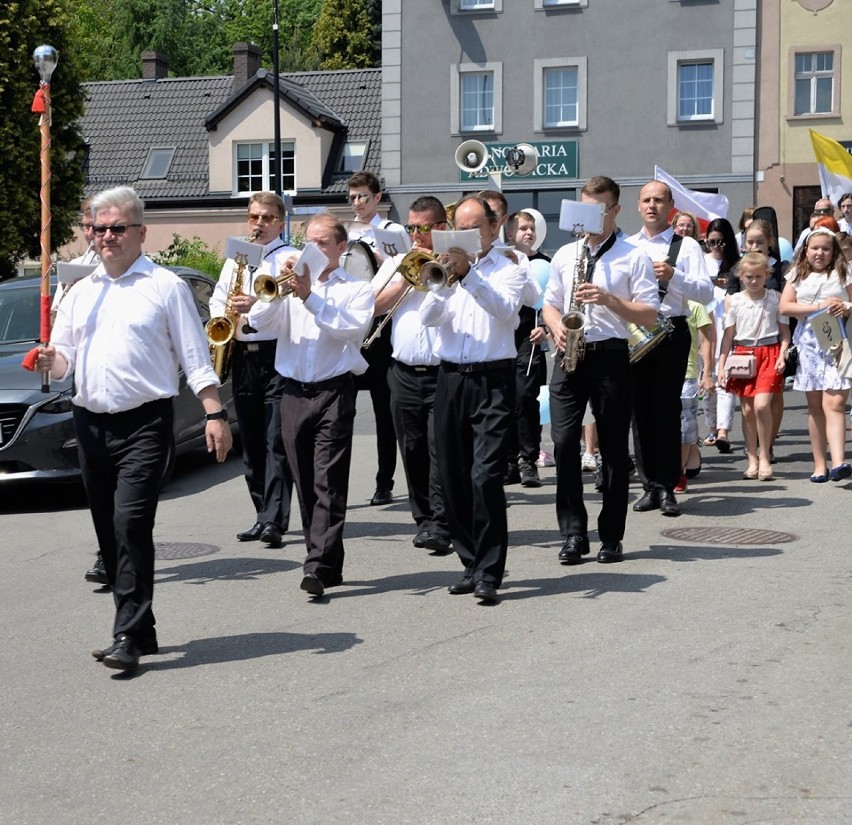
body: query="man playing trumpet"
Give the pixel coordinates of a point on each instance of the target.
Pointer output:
(319, 329)
(609, 282)
(257, 386)
(413, 376)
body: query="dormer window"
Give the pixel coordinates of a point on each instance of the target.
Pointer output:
(352, 157)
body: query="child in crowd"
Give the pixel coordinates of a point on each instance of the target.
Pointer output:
(754, 324)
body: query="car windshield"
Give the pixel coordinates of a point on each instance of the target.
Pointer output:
(19, 315)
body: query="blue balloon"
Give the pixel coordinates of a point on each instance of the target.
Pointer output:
(544, 404)
(786, 249)
(541, 273)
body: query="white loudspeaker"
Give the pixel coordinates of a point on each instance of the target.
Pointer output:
(471, 156)
(522, 159)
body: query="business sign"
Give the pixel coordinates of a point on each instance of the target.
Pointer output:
(556, 159)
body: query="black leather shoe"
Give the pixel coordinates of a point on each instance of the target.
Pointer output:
(486, 592)
(529, 475)
(124, 654)
(382, 496)
(420, 539)
(252, 534)
(312, 584)
(437, 544)
(649, 501)
(573, 548)
(146, 647)
(463, 587)
(271, 534)
(513, 475)
(610, 551)
(98, 573)
(669, 505)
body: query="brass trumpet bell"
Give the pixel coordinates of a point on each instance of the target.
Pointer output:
(268, 288)
(422, 270)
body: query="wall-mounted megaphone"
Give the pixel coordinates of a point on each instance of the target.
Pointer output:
(521, 159)
(471, 156)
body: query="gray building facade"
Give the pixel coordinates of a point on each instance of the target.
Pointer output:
(612, 87)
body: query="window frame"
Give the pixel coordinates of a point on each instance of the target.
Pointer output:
(836, 74)
(457, 71)
(550, 5)
(495, 7)
(155, 152)
(266, 174)
(540, 67)
(677, 59)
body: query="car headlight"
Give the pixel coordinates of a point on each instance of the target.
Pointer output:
(60, 404)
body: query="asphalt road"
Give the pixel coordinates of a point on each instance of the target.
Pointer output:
(704, 680)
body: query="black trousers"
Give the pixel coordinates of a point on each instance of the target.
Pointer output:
(375, 379)
(317, 422)
(472, 414)
(257, 402)
(525, 433)
(122, 459)
(603, 378)
(412, 392)
(658, 380)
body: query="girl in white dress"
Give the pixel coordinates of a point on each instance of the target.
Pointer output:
(755, 325)
(819, 281)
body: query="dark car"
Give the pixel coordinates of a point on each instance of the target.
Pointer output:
(37, 440)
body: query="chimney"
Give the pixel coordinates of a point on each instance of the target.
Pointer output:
(246, 62)
(155, 66)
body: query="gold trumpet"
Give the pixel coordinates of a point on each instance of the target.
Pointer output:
(424, 273)
(269, 288)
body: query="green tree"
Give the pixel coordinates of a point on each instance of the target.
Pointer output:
(192, 253)
(24, 25)
(345, 34)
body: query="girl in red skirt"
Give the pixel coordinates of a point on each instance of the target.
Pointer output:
(755, 325)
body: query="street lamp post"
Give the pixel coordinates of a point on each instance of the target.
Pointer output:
(45, 59)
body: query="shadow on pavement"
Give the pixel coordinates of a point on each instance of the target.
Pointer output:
(215, 570)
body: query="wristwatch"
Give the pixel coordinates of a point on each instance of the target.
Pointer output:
(218, 415)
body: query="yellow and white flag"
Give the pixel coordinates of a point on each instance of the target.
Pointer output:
(835, 166)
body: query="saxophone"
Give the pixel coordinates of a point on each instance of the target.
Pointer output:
(222, 328)
(574, 319)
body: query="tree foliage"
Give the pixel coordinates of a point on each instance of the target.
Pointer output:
(24, 25)
(192, 253)
(345, 36)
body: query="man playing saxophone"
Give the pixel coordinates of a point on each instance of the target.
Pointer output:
(607, 282)
(257, 386)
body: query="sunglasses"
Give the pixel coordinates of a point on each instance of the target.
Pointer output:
(255, 218)
(117, 228)
(421, 228)
(715, 242)
(359, 197)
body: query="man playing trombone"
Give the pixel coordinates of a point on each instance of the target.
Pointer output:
(413, 375)
(475, 318)
(608, 282)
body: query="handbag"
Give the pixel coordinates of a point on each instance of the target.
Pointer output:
(741, 366)
(792, 362)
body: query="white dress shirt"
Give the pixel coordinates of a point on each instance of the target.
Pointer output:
(274, 254)
(624, 270)
(124, 338)
(477, 317)
(413, 343)
(321, 337)
(690, 281)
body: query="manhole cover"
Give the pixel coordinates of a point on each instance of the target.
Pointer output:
(184, 550)
(731, 535)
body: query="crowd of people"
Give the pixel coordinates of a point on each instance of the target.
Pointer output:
(456, 376)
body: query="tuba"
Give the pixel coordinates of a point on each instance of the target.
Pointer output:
(574, 319)
(222, 328)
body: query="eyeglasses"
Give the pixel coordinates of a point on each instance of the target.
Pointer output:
(255, 218)
(116, 228)
(421, 228)
(86, 226)
(715, 242)
(823, 211)
(360, 197)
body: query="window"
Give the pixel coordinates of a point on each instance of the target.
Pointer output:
(476, 97)
(556, 4)
(560, 93)
(157, 163)
(255, 167)
(465, 6)
(695, 87)
(814, 83)
(352, 156)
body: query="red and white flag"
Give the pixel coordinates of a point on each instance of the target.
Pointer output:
(704, 205)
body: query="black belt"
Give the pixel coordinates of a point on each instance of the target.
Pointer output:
(478, 366)
(678, 320)
(308, 387)
(420, 369)
(607, 344)
(257, 346)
